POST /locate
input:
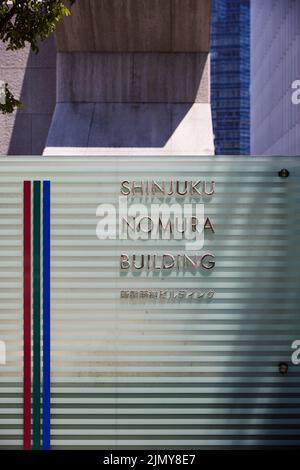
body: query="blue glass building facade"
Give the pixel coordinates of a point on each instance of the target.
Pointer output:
(230, 76)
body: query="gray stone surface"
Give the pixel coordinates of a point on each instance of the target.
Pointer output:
(138, 77)
(16, 59)
(116, 25)
(112, 128)
(190, 25)
(75, 33)
(136, 26)
(38, 91)
(192, 130)
(131, 25)
(182, 78)
(130, 125)
(32, 78)
(46, 57)
(94, 77)
(40, 125)
(15, 134)
(133, 77)
(71, 125)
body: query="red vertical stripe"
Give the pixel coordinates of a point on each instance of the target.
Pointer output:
(27, 313)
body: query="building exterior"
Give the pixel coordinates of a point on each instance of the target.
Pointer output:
(133, 77)
(32, 78)
(141, 342)
(230, 57)
(275, 66)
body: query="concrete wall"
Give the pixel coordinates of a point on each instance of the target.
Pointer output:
(275, 64)
(136, 26)
(133, 76)
(32, 78)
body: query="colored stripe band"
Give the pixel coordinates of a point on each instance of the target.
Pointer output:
(35, 227)
(27, 313)
(46, 315)
(36, 315)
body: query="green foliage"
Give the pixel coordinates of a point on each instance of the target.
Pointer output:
(28, 21)
(10, 102)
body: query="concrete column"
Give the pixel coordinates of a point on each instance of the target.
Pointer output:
(133, 76)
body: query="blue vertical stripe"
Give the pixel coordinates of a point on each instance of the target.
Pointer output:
(36, 315)
(46, 316)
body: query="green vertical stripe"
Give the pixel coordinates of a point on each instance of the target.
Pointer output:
(36, 315)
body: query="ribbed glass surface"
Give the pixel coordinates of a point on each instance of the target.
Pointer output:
(150, 374)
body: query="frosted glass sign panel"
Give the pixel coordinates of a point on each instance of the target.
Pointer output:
(149, 302)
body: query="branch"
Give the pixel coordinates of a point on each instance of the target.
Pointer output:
(7, 18)
(10, 102)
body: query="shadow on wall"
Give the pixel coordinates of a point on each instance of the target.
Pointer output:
(32, 78)
(115, 124)
(131, 100)
(255, 321)
(133, 74)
